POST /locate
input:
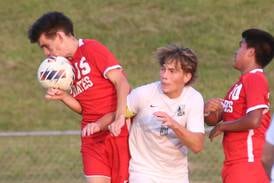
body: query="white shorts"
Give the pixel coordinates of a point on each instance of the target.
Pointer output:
(145, 178)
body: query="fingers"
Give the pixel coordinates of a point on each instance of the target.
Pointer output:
(90, 129)
(214, 133)
(213, 105)
(115, 127)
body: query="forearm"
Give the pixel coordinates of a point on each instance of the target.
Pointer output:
(104, 121)
(192, 140)
(122, 90)
(250, 121)
(72, 103)
(268, 157)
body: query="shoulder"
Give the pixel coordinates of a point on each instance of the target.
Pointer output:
(193, 94)
(93, 46)
(254, 76)
(147, 88)
(145, 91)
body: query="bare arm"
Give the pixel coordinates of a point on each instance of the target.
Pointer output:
(192, 140)
(251, 120)
(100, 125)
(67, 99)
(120, 82)
(268, 158)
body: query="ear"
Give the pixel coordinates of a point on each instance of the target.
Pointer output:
(60, 35)
(251, 52)
(187, 77)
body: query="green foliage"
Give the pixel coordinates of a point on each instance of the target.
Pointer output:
(132, 30)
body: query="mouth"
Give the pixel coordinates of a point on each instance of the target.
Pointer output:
(164, 85)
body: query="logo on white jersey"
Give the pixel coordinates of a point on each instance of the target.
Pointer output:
(181, 110)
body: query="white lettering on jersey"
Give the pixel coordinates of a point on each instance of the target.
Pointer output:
(82, 85)
(235, 93)
(83, 68)
(228, 106)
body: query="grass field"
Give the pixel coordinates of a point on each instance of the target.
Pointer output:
(132, 29)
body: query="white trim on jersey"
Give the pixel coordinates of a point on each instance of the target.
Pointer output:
(261, 106)
(111, 68)
(87, 176)
(80, 42)
(249, 142)
(257, 70)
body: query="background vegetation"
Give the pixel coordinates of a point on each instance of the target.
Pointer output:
(132, 29)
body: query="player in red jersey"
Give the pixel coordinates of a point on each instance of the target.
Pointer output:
(99, 90)
(244, 111)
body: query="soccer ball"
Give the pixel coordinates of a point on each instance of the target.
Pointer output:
(55, 72)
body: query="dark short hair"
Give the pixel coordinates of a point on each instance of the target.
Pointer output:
(262, 42)
(180, 55)
(49, 24)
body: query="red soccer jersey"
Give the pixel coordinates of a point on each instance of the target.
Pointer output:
(251, 92)
(96, 94)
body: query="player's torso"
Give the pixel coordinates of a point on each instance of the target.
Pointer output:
(158, 146)
(243, 145)
(96, 94)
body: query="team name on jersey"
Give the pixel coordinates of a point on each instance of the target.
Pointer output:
(234, 94)
(82, 69)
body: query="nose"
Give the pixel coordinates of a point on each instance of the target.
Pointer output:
(46, 52)
(163, 74)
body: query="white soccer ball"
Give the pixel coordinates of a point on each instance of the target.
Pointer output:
(55, 72)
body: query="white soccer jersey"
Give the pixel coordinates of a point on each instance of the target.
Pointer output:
(270, 139)
(156, 150)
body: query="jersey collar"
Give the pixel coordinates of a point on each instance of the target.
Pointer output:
(256, 70)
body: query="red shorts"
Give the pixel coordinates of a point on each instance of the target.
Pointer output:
(106, 155)
(244, 172)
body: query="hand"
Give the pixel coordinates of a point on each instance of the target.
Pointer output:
(115, 126)
(90, 129)
(216, 131)
(55, 94)
(213, 105)
(164, 118)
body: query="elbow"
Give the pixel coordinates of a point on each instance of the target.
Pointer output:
(199, 145)
(255, 124)
(266, 159)
(198, 148)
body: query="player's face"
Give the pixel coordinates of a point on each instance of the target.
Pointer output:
(242, 57)
(173, 79)
(51, 46)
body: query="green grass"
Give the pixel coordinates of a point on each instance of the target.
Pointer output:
(132, 29)
(40, 159)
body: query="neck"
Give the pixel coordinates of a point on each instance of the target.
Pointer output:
(174, 94)
(250, 68)
(72, 47)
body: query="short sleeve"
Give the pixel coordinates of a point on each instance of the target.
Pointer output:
(133, 100)
(195, 119)
(103, 57)
(256, 89)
